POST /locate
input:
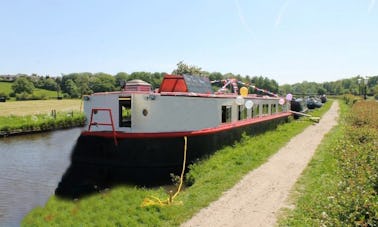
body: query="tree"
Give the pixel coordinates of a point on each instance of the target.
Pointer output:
(183, 68)
(157, 78)
(82, 83)
(50, 84)
(375, 91)
(71, 88)
(321, 91)
(215, 76)
(102, 82)
(22, 85)
(120, 78)
(265, 83)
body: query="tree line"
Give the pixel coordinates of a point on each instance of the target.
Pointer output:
(75, 85)
(355, 85)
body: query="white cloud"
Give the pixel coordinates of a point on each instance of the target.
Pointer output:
(371, 5)
(242, 18)
(281, 13)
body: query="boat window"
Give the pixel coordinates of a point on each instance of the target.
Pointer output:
(125, 112)
(226, 114)
(242, 113)
(280, 108)
(265, 109)
(256, 111)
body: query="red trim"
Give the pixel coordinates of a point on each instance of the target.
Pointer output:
(220, 128)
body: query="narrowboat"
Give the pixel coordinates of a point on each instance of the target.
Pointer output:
(138, 135)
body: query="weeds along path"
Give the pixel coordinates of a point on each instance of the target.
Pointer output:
(257, 198)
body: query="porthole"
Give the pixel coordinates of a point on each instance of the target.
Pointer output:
(145, 112)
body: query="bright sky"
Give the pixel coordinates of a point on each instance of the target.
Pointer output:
(286, 40)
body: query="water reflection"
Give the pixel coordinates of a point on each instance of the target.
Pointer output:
(30, 168)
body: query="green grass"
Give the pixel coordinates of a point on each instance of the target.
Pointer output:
(340, 185)
(34, 107)
(318, 178)
(40, 122)
(5, 87)
(208, 178)
(45, 93)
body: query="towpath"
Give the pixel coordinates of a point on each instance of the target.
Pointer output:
(258, 197)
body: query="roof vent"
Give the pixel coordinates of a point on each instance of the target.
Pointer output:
(138, 86)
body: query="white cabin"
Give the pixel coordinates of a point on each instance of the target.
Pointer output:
(172, 109)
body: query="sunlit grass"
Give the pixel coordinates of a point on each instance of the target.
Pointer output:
(23, 108)
(5, 87)
(340, 185)
(40, 122)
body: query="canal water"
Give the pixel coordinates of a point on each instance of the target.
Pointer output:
(30, 168)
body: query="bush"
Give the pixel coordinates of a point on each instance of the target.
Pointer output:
(22, 96)
(340, 187)
(3, 94)
(351, 99)
(25, 96)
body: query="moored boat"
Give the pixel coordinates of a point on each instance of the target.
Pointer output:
(137, 134)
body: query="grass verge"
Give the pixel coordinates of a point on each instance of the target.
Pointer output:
(340, 185)
(121, 206)
(12, 125)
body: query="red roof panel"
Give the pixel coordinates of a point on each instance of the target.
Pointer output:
(172, 83)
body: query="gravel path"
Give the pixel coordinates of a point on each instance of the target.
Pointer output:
(257, 198)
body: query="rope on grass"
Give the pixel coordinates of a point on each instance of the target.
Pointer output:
(155, 201)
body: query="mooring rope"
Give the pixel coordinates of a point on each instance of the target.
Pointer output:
(155, 201)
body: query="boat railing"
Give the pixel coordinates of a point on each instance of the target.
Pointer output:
(95, 111)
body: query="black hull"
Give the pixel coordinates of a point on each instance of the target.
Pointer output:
(96, 162)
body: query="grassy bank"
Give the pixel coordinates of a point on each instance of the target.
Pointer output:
(340, 186)
(208, 178)
(13, 125)
(42, 115)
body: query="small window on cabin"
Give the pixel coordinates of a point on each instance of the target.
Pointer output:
(256, 112)
(125, 112)
(242, 114)
(265, 109)
(274, 108)
(226, 114)
(280, 108)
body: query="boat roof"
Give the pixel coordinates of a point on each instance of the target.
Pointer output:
(186, 83)
(181, 85)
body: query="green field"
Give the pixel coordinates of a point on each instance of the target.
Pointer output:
(46, 93)
(40, 115)
(22, 108)
(5, 87)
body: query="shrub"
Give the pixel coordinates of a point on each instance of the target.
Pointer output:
(340, 187)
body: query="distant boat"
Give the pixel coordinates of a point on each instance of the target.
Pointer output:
(313, 103)
(137, 134)
(298, 106)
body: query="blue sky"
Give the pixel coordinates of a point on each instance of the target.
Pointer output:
(286, 40)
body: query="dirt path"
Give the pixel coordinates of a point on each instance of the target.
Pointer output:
(257, 198)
